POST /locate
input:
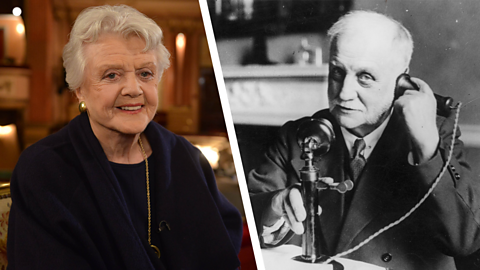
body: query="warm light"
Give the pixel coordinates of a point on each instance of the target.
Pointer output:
(180, 40)
(5, 130)
(20, 28)
(9, 147)
(211, 154)
(17, 11)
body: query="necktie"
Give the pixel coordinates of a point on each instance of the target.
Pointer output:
(358, 161)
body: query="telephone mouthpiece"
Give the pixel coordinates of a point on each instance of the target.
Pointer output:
(318, 133)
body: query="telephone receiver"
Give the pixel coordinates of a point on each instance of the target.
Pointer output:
(444, 104)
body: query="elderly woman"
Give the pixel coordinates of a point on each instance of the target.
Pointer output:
(114, 190)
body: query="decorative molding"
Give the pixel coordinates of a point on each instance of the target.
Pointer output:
(317, 73)
(272, 95)
(273, 102)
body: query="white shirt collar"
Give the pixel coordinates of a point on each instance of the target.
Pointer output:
(370, 139)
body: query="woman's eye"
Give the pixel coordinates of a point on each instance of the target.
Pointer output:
(111, 76)
(146, 74)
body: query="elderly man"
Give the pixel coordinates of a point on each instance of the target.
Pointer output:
(403, 146)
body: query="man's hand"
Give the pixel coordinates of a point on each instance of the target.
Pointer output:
(289, 204)
(419, 111)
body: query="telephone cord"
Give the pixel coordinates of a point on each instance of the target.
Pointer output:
(414, 208)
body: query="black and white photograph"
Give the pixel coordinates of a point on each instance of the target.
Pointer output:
(357, 127)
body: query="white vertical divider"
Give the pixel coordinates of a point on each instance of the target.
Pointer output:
(231, 134)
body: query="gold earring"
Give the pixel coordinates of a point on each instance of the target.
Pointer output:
(82, 107)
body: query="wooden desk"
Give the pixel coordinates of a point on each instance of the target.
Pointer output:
(281, 258)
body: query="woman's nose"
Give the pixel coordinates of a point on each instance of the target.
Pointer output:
(132, 86)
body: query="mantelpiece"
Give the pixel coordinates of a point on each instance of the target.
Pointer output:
(272, 95)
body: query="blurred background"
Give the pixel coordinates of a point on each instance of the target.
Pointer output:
(274, 56)
(35, 101)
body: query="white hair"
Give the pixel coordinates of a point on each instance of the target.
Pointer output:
(402, 38)
(94, 21)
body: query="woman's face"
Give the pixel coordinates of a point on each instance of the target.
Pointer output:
(120, 84)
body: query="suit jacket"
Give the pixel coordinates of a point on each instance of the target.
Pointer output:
(446, 225)
(69, 212)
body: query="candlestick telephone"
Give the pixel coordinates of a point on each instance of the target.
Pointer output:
(314, 138)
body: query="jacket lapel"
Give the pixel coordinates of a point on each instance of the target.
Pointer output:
(373, 192)
(333, 202)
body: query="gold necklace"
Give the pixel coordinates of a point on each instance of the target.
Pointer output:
(155, 248)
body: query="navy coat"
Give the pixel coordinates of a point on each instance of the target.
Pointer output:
(68, 210)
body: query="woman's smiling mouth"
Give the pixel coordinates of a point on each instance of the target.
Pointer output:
(131, 108)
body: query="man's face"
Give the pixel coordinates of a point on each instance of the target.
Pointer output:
(362, 75)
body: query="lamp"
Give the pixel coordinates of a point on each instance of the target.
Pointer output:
(217, 151)
(9, 147)
(13, 40)
(11, 7)
(5, 130)
(211, 153)
(16, 11)
(180, 43)
(20, 28)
